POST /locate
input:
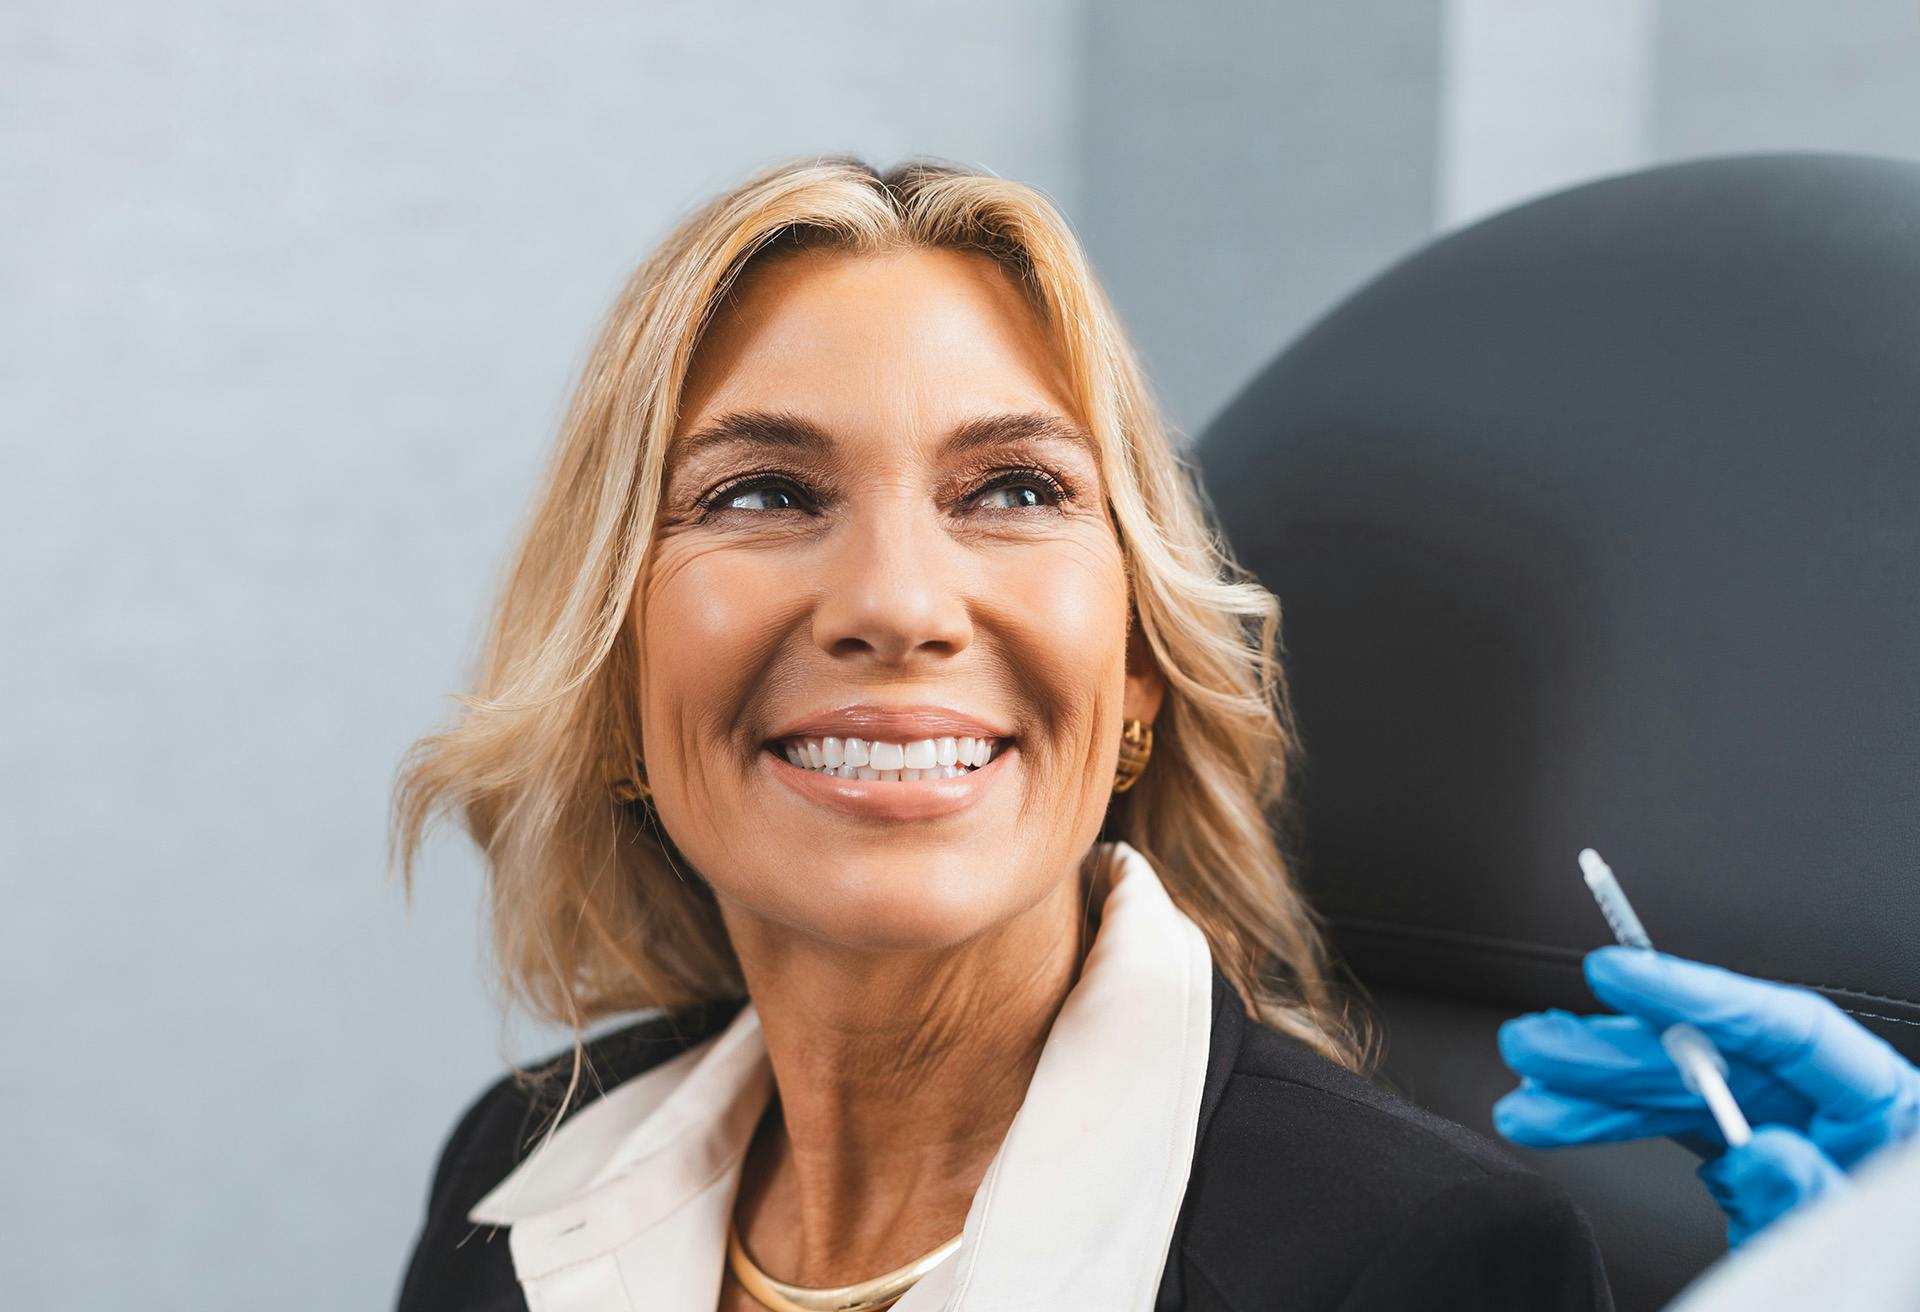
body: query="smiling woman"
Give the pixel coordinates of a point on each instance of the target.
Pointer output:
(871, 697)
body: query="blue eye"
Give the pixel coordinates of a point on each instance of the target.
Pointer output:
(768, 493)
(1020, 497)
(1011, 490)
(1023, 489)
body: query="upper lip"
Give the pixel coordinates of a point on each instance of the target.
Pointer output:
(891, 724)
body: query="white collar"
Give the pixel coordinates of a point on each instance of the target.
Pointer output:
(627, 1204)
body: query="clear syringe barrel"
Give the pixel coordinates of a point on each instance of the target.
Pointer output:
(1613, 902)
(1702, 1069)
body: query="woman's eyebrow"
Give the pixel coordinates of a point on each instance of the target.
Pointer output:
(765, 428)
(1004, 430)
(782, 430)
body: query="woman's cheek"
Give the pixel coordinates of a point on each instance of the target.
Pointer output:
(1064, 615)
(1064, 607)
(712, 621)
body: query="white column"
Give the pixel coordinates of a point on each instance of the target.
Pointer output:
(1536, 95)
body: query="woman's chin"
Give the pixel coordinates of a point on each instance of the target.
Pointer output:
(905, 905)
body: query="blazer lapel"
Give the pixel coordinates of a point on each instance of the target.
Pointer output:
(1224, 1038)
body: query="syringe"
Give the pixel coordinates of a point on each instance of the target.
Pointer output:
(1702, 1069)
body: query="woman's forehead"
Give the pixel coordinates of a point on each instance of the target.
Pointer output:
(909, 341)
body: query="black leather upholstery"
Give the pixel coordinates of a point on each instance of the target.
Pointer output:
(1598, 523)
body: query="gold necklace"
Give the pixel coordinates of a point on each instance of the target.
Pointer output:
(867, 1296)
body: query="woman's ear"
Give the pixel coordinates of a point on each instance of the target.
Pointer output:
(1146, 688)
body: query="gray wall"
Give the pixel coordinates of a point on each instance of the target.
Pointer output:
(1247, 163)
(1780, 76)
(291, 296)
(1538, 96)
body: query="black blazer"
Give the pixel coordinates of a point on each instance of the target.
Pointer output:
(1311, 1191)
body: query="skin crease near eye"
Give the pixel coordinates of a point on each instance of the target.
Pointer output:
(885, 568)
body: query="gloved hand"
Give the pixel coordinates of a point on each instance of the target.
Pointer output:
(1766, 1177)
(1795, 1061)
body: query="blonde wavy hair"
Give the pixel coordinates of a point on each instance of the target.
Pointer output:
(590, 916)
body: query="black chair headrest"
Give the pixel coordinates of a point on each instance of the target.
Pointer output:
(1598, 524)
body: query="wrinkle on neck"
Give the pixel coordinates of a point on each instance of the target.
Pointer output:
(896, 1078)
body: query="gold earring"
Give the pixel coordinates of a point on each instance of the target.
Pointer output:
(633, 787)
(1136, 745)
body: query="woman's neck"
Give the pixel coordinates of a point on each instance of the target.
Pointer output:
(897, 1076)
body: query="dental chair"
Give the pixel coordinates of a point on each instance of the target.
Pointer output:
(1598, 524)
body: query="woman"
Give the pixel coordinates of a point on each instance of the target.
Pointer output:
(870, 696)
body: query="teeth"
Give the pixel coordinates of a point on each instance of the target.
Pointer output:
(858, 758)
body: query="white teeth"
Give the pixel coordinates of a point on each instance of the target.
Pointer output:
(859, 758)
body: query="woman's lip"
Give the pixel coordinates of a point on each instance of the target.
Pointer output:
(878, 799)
(891, 724)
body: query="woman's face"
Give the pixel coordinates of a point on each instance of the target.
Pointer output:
(883, 522)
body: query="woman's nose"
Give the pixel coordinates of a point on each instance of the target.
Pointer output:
(894, 588)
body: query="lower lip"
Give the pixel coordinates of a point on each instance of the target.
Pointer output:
(879, 799)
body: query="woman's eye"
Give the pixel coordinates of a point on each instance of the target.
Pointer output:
(1014, 490)
(1022, 491)
(759, 494)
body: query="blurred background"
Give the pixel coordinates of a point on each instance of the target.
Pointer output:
(293, 294)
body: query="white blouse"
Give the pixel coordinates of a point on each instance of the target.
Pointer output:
(626, 1206)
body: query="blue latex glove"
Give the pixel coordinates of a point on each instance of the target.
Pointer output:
(1795, 1061)
(1766, 1177)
